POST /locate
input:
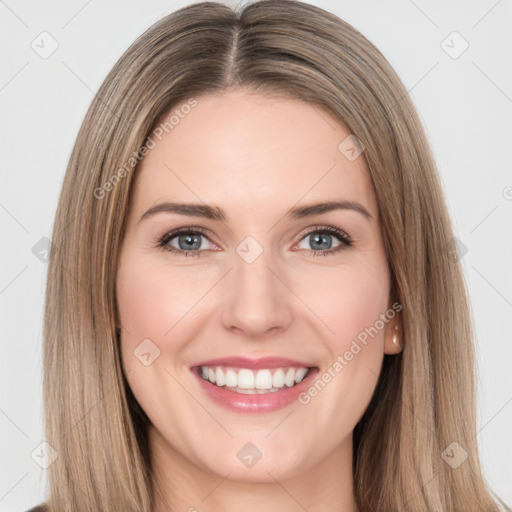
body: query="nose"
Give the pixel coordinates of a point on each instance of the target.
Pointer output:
(257, 300)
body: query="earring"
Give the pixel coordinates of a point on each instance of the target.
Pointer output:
(395, 340)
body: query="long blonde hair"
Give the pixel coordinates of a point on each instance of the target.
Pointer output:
(425, 397)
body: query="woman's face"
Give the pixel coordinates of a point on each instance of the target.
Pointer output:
(269, 290)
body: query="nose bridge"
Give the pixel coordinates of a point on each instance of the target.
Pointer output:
(256, 300)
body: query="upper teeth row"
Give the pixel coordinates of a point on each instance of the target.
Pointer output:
(249, 379)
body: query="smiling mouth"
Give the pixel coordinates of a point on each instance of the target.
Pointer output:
(253, 382)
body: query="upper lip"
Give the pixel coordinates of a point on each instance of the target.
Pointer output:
(256, 364)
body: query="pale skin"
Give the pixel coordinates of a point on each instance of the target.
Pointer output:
(255, 157)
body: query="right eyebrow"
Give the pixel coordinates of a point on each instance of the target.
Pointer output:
(194, 210)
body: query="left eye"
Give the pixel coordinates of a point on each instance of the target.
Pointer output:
(319, 240)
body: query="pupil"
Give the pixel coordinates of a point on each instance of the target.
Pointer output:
(190, 240)
(318, 238)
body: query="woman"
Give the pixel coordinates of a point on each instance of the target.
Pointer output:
(252, 373)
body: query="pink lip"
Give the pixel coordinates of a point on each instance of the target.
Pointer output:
(242, 403)
(255, 364)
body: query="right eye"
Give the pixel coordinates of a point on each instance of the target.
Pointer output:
(188, 241)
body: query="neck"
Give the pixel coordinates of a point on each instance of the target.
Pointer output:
(179, 484)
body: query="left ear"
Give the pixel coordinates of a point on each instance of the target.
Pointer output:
(393, 340)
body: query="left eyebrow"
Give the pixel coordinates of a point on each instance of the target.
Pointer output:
(217, 213)
(319, 208)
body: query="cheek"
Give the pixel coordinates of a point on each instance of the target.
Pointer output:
(152, 301)
(360, 303)
(150, 306)
(348, 300)
(353, 306)
(353, 309)
(156, 303)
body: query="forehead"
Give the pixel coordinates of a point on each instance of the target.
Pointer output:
(243, 150)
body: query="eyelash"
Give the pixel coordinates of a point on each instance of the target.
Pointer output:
(346, 241)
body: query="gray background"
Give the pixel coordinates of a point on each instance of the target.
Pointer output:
(465, 102)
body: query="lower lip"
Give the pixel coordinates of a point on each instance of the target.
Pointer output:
(267, 402)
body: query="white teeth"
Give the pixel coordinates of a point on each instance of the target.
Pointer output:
(289, 379)
(219, 377)
(231, 379)
(263, 379)
(278, 378)
(299, 374)
(244, 380)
